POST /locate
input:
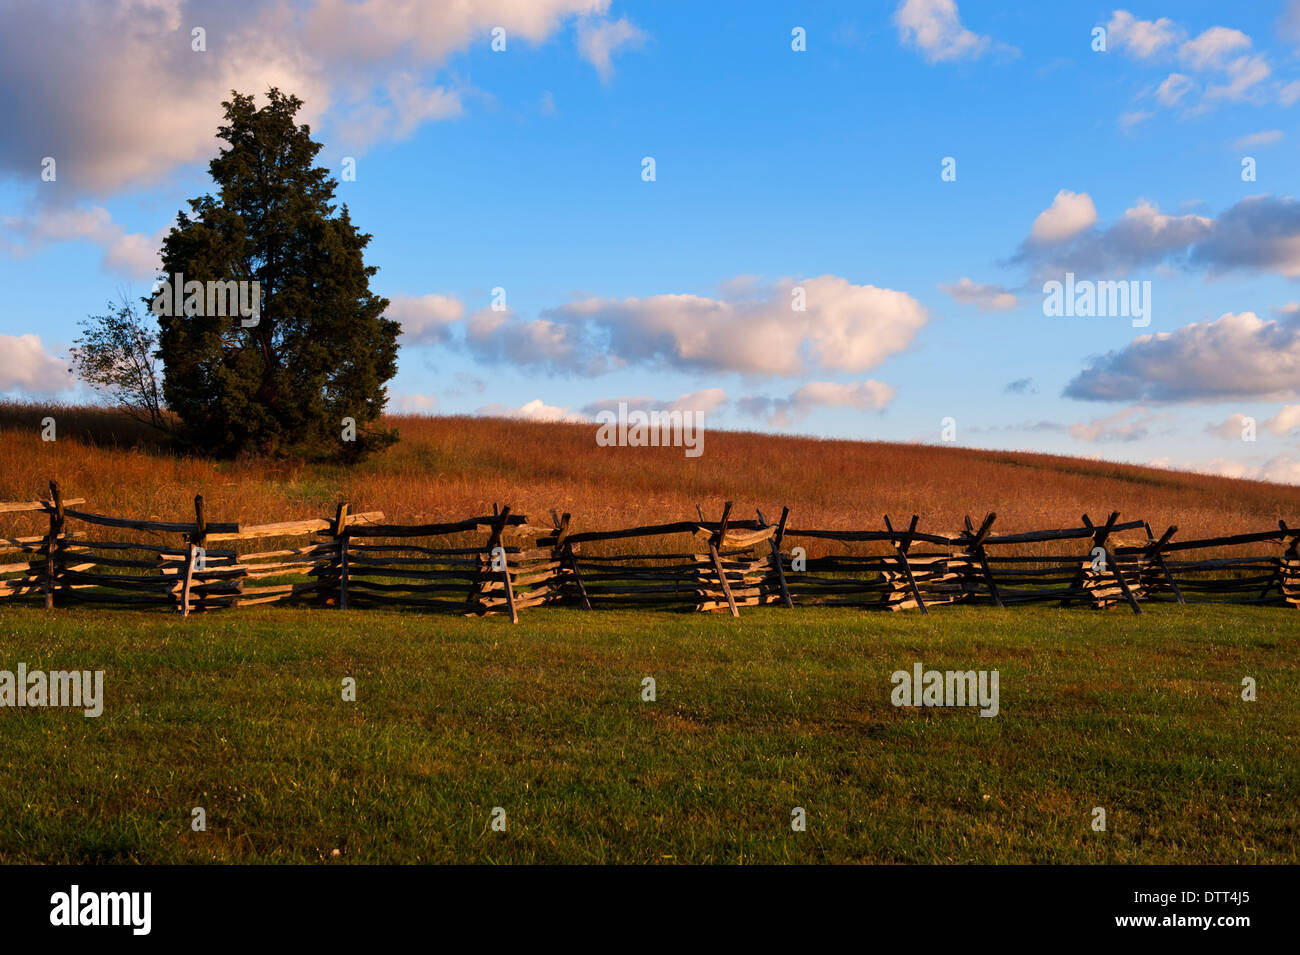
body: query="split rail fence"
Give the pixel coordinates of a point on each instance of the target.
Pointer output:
(501, 564)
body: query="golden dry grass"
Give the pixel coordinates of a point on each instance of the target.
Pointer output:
(452, 467)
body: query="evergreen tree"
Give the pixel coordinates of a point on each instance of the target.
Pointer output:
(320, 351)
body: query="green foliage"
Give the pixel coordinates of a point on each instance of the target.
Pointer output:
(322, 350)
(115, 355)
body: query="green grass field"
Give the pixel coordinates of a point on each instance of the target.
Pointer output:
(242, 714)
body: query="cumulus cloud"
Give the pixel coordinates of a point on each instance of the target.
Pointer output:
(934, 28)
(1286, 421)
(1142, 39)
(101, 62)
(1021, 386)
(126, 253)
(1257, 234)
(842, 327)
(535, 410)
(1068, 215)
(364, 66)
(867, 395)
(992, 298)
(27, 368)
(1220, 56)
(1235, 356)
(1230, 428)
(425, 319)
(502, 338)
(1213, 48)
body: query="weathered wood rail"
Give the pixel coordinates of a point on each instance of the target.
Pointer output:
(500, 563)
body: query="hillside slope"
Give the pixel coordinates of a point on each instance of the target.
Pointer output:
(448, 467)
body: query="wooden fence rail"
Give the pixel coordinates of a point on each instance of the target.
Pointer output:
(500, 563)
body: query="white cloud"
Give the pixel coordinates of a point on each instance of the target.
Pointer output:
(127, 253)
(27, 368)
(425, 319)
(535, 410)
(415, 404)
(701, 402)
(123, 98)
(1068, 215)
(1243, 75)
(1211, 50)
(1064, 240)
(500, 337)
(992, 298)
(1285, 421)
(599, 40)
(1282, 469)
(867, 395)
(1173, 88)
(844, 327)
(1142, 39)
(393, 110)
(1234, 356)
(1281, 424)
(1228, 429)
(934, 28)
(1220, 56)
(1130, 424)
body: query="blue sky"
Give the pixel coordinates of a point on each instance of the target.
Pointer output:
(775, 169)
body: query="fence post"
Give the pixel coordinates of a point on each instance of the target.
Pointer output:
(977, 548)
(51, 542)
(1153, 554)
(564, 550)
(340, 535)
(195, 541)
(901, 545)
(479, 589)
(505, 566)
(1099, 540)
(714, 543)
(774, 543)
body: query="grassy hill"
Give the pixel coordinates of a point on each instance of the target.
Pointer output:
(453, 466)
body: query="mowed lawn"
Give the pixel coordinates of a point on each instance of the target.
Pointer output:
(242, 714)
